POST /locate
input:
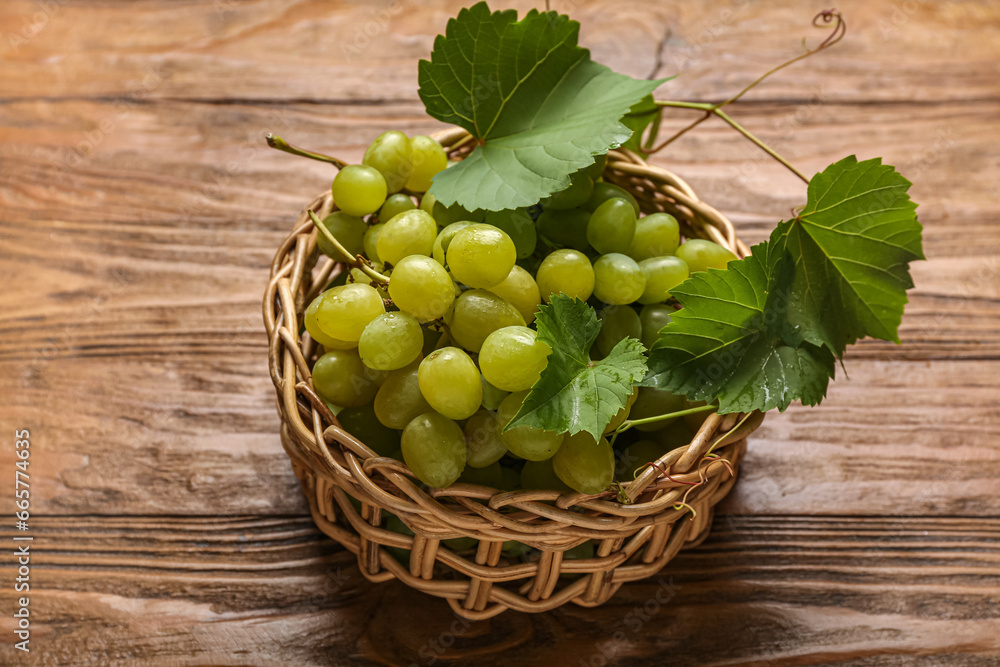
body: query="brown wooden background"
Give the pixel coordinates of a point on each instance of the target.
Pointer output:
(140, 210)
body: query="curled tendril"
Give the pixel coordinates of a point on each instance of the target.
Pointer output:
(824, 17)
(663, 471)
(683, 505)
(839, 29)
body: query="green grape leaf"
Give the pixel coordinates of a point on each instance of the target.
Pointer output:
(851, 244)
(643, 113)
(538, 106)
(726, 343)
(574, 393)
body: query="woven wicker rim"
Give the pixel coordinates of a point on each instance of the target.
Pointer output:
(335, 466)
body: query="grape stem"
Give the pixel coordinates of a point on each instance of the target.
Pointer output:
(445, 334)
(357, 261)
(837, 34)
(274, 141)
(629, 423)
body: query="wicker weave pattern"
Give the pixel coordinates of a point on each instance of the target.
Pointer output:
(633, 539)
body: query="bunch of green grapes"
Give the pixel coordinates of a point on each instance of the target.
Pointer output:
(426, 345)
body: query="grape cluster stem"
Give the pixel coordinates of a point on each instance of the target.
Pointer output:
(357, 261)
(274, 141)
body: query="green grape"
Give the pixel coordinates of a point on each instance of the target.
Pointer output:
(511, 481)
(635, 457)
(393, 523)
(359, 189)
(362, 423)
(445, 215)
(347, 229)
(519, 226)
(581, 185)
(695, 420)
(394, 205)
(357, 275)
(656, 235)
(654, 317)
(623, 413)
(481, 255)
(391, 154)
(605, 191)
(584, 465)
(579, 552)
(530, 264)
(662, 275)
(391, 341)
(490, 475)
(477, 314)
(459, 544)
(431, 338)
(653, 402)
(675, 435)
(618, 279)
(317, 334)
(512, 358)
(533, 444)
(399, 399)
(371, 242)
(566, 228)
(566, 272)
(421, 287)
(491, 395)
(339, 278)
(702, 255)
(540, 475)
(346, 310)
(340, 377)
(596, 170)
(521, 291)
(427, 203)
(482, 439)
(428, 159)
(611, 226)
(617, 324)
(515, 551)
(434, 449)
(443, 240)
(409, 233)
(449, 380)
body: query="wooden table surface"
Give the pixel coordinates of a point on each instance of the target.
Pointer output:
(139, 210)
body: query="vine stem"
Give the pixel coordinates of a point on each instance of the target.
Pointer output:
(838, 32)
(357, 262)
(629, 423)
(274, 141)
(760, 144)
(715, 110)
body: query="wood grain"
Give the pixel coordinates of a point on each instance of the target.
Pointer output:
(139, 210)
(314, 50)
(783, 590)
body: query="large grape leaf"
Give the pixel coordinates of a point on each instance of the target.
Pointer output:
(539, 108)
(643, 113)
(574, 393)
(851, 245)
(726, 341)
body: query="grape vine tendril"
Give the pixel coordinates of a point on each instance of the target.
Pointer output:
(837, 34)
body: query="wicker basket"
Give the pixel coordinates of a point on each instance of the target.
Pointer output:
(636, 531)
